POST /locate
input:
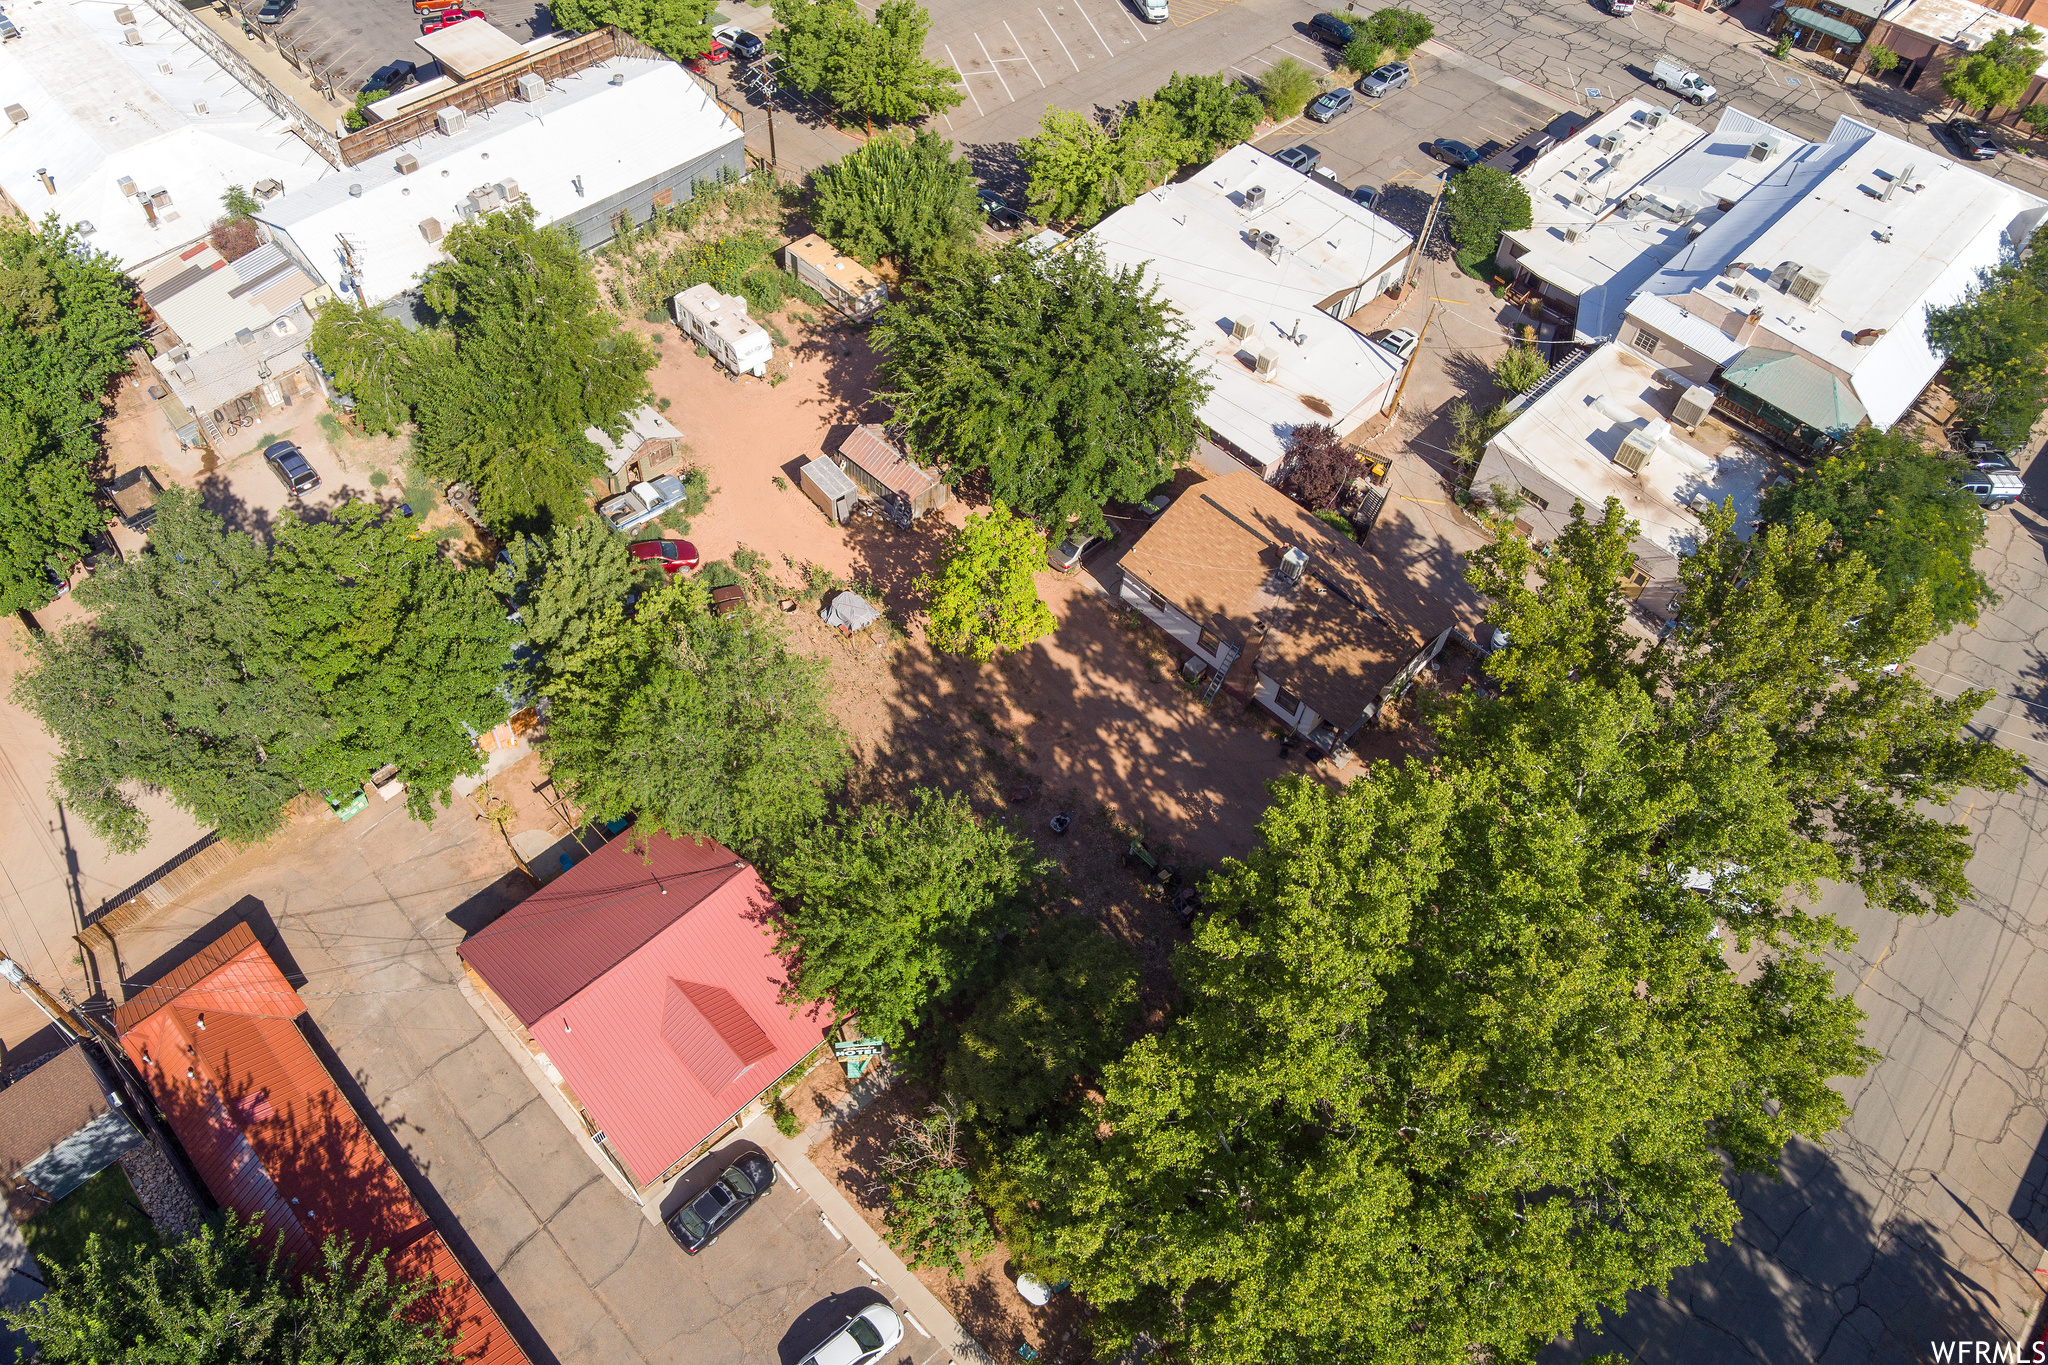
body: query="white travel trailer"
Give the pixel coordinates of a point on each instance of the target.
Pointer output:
(719, 323)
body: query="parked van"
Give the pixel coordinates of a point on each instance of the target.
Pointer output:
(719, 323)
(1669, 75)
(1151, 11)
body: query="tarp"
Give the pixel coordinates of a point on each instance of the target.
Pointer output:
(848, 611)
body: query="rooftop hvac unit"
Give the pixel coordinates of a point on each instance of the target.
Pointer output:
(246, 337)
(1734, 270)
(1782, 276)
(508, 191)
(124, 15)
(1655, 118)
(1254, 198)
(160, 198)
(531, 87)
(1266, 364)
(1267, 245)
(1240, 328)
(430, 228)
(126, 184)
(17, 114)
(1748, 293)
(450, 121)
(132, 36)
(407, 164)
(1610, 142)
(1807, 284)
(1572, 234)
(1635, 452)
(1763, 149)
(1293, 564)
(267, 189)
(1693, 406)
(199, 106)
(163, 68)
(1581, 194)
(182, 373)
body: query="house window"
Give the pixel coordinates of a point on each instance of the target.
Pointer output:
(1527, 496)
(1286, 703)
(1209, 642)
(1646, 342)
(1632, 587)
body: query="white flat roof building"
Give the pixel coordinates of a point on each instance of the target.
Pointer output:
(1249, 244)
(625, 134)
(115, 125)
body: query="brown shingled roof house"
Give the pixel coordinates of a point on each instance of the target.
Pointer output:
(1271, 603)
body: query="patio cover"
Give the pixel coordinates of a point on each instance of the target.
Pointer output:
(1820, 23)
(1796, 387)
(849, 611)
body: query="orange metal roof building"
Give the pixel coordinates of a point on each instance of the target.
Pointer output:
(220, 1042)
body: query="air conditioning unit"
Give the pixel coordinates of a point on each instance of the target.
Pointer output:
(430, 228)
(125, 184)
(132, 36)
(1240, 328)
(163, 68)
(1293, 564)
(1782, 276)
(1807, 284)
(1693, 406)
(1610, 142)
(450, 121)
(1267, 244)
(407, 164)
(17, 114)
(1572, 234)
(199, 106)
(1254, 198)
(124, 15)
(1636, 449)
(1581, 194)
(1655, 118)
(1748, 293)
(531, 87)
(267, 189)
(1763, 149)
(508, 191)
(246, 337)
(1266, 364)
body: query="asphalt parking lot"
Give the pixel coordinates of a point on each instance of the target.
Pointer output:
(353, 39)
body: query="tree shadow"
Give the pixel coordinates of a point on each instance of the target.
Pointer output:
(998, 167)
(891, 558)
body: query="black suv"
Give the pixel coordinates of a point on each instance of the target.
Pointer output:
(696, 1225)
(274, 11)
(1331, 30)
(1973, 140)
(291, 468)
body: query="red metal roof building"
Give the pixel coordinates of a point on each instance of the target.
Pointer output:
(645, 977)
(220, 1042)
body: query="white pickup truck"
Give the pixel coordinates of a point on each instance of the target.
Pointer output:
(1669, 75)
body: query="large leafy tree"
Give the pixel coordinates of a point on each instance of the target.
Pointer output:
(232, 676)
(1897, 504)
(909, 200)
(1208, 113)
(1997, 73)
(1995, 339)
(1319, 467)
(217, 1298)
(1082, 168)
(694, 723)
(560, 586)
(1459, 1060)
(889, 912)
(1480, 204)
(1060, 381)
(377, 363)
(867, 69)
(675, 28)
(67, 324)
(984, 596)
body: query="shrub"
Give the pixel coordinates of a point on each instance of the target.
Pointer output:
(1318, 467)
(1520, 368)
(1287, 88)
(1482, 203)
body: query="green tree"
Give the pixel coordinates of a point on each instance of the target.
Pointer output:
(1062, 381)
(1519, 368)
(1286, 88)
(561, 585)
(1401, 29)
(675, 28)
(1881, 59)
(1457, 1062)
(1362, 54)
(1897, 504)
(375, 361)
(909, 200)
(1480, 204)
(237, 202)
(2035, 116)
(526, 360)
(218, 1298)
(984, 597)
(866, 69)
(1995, 340)
(1997, 73)
(1061, 1010)
(890, 914)
(932, 1216)
(1081, 169)
(232, 676)
(694, 723)
(1209, 113)
(67, 325)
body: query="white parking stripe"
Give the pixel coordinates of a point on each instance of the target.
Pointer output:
(1024, 54)
(1133, 22)
(997, 69)
(1061, 41)
(1091, 24)
(979, 111)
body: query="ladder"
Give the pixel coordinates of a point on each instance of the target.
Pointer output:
(1225, 657)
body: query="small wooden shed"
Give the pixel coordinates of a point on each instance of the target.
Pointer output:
(826, 484)
(884, 472)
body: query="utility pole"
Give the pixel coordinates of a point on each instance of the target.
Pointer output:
(62, 1017)
(1409, 368)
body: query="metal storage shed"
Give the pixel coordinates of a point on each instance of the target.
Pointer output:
(883, 471)
(826, 484)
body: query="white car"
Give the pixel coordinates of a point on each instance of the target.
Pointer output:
(1401, 343)
(862, 1338)
(643, 502)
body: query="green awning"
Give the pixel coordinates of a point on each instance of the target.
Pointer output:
(1820, 23)
(1796, 387)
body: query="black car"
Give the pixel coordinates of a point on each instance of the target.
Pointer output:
(1331, 30)
(290, 466)
(998, 212)
(696, 1225)
(274, 11)
(1365, 196)
(1303, 159)
(392, 78)
(1973, 140)
(1456, 155)
(1329, 104)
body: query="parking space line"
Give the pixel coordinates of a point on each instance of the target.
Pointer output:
(1316, 56)
(997, 69)
(1025, 55)
(979, 111)
(1061, 41)
(1125, 10)
(1091, 25)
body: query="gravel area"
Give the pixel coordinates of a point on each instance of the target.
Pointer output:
(163, 1191)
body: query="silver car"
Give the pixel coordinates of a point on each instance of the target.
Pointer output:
(643, 502)
(1385, 81)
